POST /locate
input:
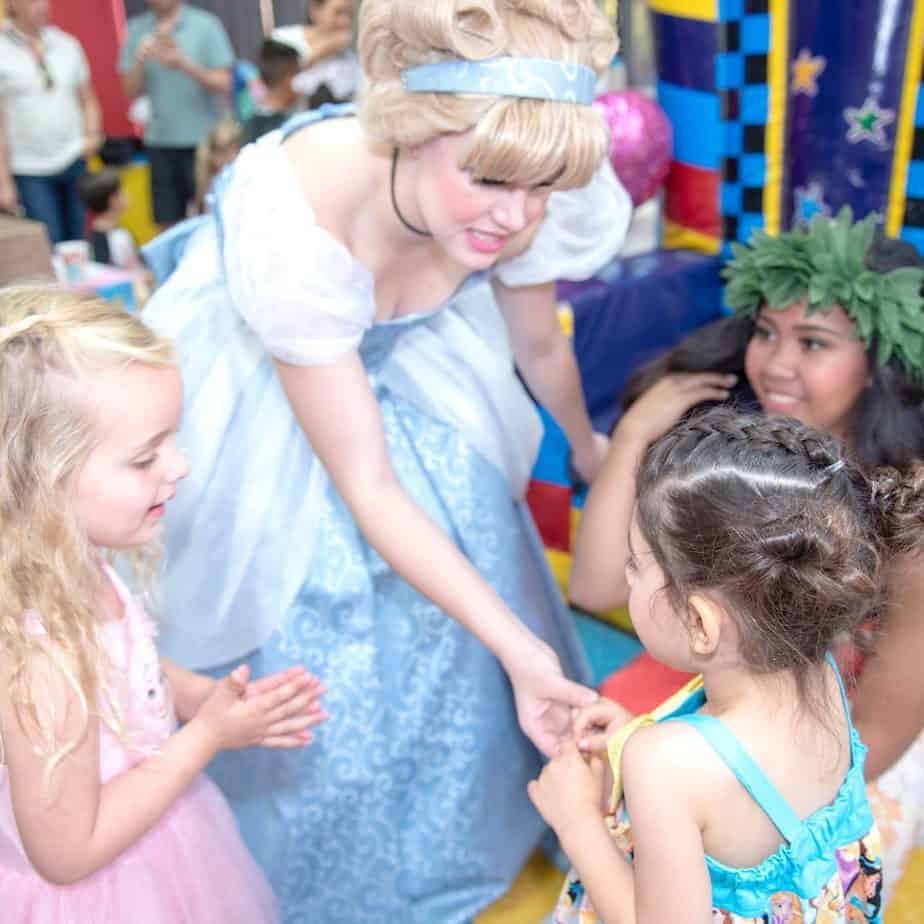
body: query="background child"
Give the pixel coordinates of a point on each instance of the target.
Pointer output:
(220, 147)
(754, 545)
(279, 63)
(101, 194)
(103, 807)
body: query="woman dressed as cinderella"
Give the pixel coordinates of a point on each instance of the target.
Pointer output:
(361, 445)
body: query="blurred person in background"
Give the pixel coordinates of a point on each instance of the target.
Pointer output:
(180, 57)
(49, 120)
(279, 64)
(329, 68)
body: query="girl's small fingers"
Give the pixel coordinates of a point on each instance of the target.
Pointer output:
(711, 379)
(238, 678)
(297, 675)
(292, 707)
(592, 743)
(313, 696)
(596, 716)
(286, 742)
(280, 696)
(288, 726)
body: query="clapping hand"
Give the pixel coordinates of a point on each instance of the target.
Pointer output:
(276, 711)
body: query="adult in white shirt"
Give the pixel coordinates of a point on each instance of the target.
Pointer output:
(50, 120)
(329, 68)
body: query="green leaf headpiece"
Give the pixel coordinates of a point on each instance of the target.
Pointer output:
(826, 265)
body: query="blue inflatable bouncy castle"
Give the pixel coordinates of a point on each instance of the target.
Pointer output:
(785, 108)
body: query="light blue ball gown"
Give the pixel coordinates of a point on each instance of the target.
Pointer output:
(411, 804)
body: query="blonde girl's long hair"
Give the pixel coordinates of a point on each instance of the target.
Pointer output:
(51, 342)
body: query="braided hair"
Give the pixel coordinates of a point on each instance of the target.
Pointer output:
(773, 518)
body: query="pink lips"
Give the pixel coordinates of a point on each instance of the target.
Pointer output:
(157, 511)
(487, 243)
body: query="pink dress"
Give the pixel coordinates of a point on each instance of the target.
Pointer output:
(190, 868)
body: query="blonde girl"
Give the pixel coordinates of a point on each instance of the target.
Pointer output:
(103, 807)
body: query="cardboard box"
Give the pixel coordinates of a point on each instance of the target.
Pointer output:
(25, 253)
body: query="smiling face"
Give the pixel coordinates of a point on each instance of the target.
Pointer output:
(810, 367)
(475, 221)
(134, 467)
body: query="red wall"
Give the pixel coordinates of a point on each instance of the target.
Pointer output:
(101, 33)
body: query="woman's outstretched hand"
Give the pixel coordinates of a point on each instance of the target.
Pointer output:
(545, 697)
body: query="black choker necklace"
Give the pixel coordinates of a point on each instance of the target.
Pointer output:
(394, 201)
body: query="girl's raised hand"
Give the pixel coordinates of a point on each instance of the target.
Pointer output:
(594, 725)
(277, 711)
(662, 406)
(588, 465)
(570, 789)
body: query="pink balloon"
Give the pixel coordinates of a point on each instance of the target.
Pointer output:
(641, 142)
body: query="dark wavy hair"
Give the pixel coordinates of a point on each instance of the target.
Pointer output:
(886, 426)
(772, 517)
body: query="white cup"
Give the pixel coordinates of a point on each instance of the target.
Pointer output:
(75, 255)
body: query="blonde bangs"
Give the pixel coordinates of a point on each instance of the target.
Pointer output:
(525, 143)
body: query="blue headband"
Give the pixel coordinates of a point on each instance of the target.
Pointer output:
(527, 78)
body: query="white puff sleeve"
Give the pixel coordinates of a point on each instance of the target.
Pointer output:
(582, 231)
(305, 296)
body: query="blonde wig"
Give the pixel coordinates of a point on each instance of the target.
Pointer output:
(523, 142)
(51, 342)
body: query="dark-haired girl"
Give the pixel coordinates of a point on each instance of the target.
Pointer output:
(836, 345)
(755, 544)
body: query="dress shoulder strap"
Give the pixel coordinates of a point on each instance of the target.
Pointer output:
(855, 744)
(747, 772)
